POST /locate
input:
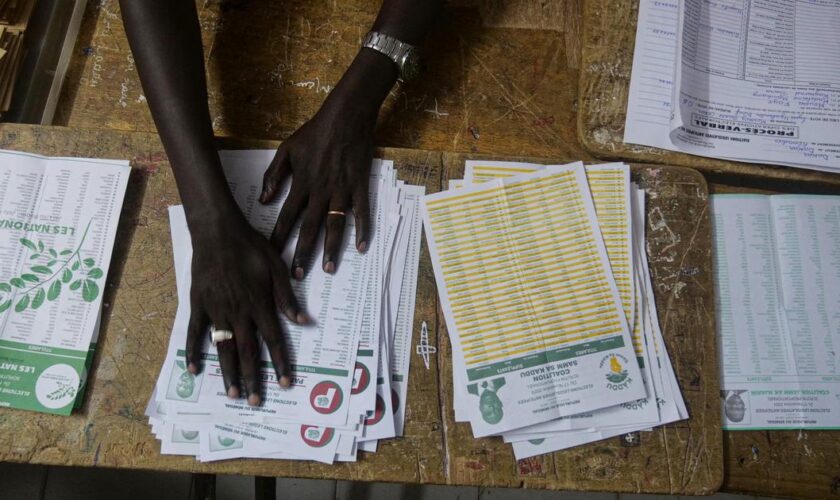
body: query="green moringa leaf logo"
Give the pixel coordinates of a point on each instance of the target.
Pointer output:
(489, 403)
(48, 272)
(63, 391)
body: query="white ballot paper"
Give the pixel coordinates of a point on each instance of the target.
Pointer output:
(619, 210)
(538, 332)
(58, 221)
(611, 194)
(778, 310)
(746, 80)
(192, 415)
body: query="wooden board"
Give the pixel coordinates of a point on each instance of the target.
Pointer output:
(802, 464)
(501, 77)
(111, 430)
(609, 34)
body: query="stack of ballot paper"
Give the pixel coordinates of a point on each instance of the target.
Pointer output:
(58, 221)
(350, 368)
(544, 284)
(745, 80)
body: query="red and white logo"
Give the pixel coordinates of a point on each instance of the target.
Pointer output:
(378, 412)
(326, 397)
(395, 401)
(361, 378)
(316, 437)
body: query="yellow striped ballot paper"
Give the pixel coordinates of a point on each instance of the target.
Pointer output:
(609, 185)
(532, 307)
(610, 188)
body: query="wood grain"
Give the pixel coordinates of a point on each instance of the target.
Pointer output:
(111, 430)
(501, 77)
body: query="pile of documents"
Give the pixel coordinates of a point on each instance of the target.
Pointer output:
(544, 284)
(745, 80)
(350, 368)
(777, 285)
(58, 221)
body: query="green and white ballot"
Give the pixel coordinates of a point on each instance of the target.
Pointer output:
(777, 279)
(348, 367)
(58, 220)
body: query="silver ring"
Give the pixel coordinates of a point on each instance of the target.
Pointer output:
(217, 336)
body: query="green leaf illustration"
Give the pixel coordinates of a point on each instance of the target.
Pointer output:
(95, 273)
(35, 256)
(89, 262)
(28, 244)
(52, 263)
(53, 253)
(66, 252)
(5, 287)
(55, 290)
(180, 364)
(39, 298)
(17, 283)
(40, 246)
(90, 290)
(41, 269)
(66, 276)
(75, 266)
(22, 304)
(76, 284)
(30, 278)
(5, 305)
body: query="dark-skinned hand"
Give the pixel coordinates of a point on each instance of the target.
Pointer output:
(239, 282)
(329, 160)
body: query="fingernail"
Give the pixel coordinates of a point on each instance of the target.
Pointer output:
(254, 399)
(303, 318)
(193, 368)
(299, 273)
(329, 267)
(285, 381)
(233, 392)
(362, 246)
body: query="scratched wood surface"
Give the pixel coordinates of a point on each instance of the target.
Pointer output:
(608, 39)
(501, 76)
(683, 458)
(111, 431)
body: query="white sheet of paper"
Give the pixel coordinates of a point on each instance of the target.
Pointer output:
(58, 222)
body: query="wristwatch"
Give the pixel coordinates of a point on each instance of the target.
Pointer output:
(406, 57)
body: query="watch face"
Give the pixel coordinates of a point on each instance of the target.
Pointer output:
(410, 66)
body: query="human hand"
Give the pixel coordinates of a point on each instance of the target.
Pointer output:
(329, 159)
(239, 281)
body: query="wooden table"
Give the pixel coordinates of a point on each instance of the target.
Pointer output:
(140, 302)
(783, 463)
(501, 75)
(502, 80)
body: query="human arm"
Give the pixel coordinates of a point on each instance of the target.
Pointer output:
(231, 287)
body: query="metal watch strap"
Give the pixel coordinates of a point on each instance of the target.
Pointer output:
(390, 46)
